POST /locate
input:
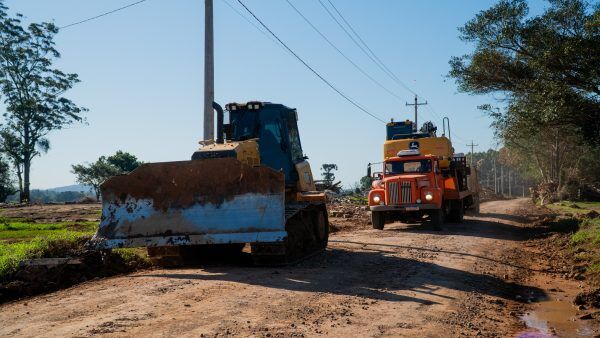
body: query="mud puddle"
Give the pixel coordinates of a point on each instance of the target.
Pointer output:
(554, 318)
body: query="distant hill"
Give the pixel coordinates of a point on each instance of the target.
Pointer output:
(74, 187)
(70, 193)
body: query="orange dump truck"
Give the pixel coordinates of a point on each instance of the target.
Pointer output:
(421, 179)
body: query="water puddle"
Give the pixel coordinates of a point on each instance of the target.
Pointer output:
(553, 318)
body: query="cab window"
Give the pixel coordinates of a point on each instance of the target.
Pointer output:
(407, 167)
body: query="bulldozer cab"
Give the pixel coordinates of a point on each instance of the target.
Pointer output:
(276, 128)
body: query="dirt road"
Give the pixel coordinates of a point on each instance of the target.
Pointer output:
(470, 279)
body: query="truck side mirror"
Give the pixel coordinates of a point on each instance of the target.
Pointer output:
(369, 170)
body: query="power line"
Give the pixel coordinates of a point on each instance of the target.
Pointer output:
(103, 14)
(309, 67)
(368, 52)
(342, 53)
(254, 25)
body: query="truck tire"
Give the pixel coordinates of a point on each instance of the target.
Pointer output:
(437, 219)
(457, 211)
(378, 220)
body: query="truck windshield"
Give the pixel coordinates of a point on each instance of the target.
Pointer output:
(403, 167)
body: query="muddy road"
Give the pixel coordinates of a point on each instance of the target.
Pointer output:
(469, 279)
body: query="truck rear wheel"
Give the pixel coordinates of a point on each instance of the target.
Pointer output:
(437, 219)
(378, 220)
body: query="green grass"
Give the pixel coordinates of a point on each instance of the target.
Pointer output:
(581, 207)
(24, 239)
(12, 253)
(586, 245)
(18, 230)
(589, 232)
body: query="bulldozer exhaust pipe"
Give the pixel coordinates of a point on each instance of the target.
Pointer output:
(220, 117)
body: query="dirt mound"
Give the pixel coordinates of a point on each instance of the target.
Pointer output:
(590, 298)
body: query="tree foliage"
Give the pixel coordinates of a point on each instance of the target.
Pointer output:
(327, 174)
(547, 66)
(94, 174)
(7, 187)
(546, 72)
(33, 92)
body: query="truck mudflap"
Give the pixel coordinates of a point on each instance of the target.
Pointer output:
(210, 201)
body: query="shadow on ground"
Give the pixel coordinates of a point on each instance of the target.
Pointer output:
(371, 274)
(481, 225)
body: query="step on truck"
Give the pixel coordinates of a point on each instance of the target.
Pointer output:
(421, 180)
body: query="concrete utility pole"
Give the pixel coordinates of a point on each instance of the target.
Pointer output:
(416, 104)
(495, 178)
(472, 147)
(502, 180)
(209, 72)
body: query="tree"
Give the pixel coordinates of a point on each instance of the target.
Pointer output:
(94, 174)
(7, 187)
(365, 183)
(126, 162)
(33, 92)
(327, 173)
(546, 67)
(546, 72)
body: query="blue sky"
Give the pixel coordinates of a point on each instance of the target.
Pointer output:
(142, 76)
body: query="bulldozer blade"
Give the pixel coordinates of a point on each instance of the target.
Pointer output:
(211, 201)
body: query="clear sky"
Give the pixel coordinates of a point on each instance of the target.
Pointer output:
(142, 76)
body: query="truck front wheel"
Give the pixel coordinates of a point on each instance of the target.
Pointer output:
(437, 219)
(378, 220)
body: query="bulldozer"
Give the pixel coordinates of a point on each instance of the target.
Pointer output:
(251, 185)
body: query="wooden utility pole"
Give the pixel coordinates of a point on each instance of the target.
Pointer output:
(209, 69)
(416, 104)
(472, 147)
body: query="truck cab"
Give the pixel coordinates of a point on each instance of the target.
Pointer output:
(410, 183)
(421, 176)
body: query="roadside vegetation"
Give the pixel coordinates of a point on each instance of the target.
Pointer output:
(585, 239)
(23, 239)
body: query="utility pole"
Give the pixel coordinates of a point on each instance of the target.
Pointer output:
(209, 72)
(472, 147)
(495, 178)
(502, 180)
(509, 186)
(416, 104)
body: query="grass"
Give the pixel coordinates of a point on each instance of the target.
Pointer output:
(22, 239)
(574, 207)
(42, 246)
(19, 230)
(589, 232)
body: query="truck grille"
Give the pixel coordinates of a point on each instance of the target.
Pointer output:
(393, 193)
(402, 195)
(406, 192)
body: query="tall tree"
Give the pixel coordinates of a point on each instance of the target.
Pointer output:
(33, 92)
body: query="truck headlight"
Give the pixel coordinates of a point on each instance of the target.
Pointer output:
(429, 196)
(376, 198)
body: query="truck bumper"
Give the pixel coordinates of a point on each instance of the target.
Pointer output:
(404, 207)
